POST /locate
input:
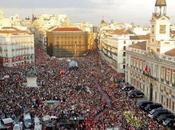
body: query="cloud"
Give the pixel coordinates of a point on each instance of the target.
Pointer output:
(137, 11)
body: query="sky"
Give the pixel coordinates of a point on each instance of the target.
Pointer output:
(129, 11)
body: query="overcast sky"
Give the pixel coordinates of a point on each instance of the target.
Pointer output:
(130, 11)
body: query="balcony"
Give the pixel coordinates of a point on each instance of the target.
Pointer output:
(150, 76)
(173, 84)
(168, 83)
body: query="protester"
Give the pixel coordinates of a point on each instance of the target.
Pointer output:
(88, 92)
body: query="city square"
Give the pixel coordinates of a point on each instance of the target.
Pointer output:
(60, 74)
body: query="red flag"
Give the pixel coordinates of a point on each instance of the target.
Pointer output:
(146, 69)
(62, 72)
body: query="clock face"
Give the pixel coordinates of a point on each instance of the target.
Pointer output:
(162, 29)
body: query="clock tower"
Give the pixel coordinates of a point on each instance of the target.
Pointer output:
(160, 29)
(160, 22)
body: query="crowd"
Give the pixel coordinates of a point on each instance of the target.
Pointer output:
(89, 92)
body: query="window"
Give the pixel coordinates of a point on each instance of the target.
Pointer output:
(167, 100)
(168, 74)
(123, 66)
(124, 48)
(124, 61)
(161, 99)
(152, 30)
(173, 77)
(124, 53)
(162, 29)
(155, 96)
(162, 73)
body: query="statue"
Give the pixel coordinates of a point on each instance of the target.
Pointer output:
(31, 76)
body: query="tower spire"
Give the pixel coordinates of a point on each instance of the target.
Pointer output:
(160, 7)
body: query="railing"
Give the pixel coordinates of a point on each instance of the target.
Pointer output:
(150, 76)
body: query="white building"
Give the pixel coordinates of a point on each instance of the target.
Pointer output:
(16, 47)
(139, 30)
(114, 47)
(151, 65)
(113, 44)
(12, 21)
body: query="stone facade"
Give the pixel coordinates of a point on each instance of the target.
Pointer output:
(16, 47)
(67, 42)
(151, 65)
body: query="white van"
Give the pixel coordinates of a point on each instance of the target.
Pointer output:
(38, 125)
(27, 120)
(17, 127)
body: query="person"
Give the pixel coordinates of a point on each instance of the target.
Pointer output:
(101, 106)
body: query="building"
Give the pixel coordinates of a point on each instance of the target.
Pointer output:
(113, 43)
(151, 65)
(67, 42)
(16, 47)
(113, 46)
(12, 21)
(44, 22)
(89, 28)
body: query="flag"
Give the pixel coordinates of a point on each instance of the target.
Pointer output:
(147, 70)
(62, 72)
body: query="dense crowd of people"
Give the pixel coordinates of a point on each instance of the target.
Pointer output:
(88, 92)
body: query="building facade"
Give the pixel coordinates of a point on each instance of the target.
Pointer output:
(16, 47)
(113, 44)
(44, 22)
(89, 28)
(151, 65)
(67, 42)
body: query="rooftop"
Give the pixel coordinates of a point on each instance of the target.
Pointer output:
(170, 52)
(12, 30)
(139, 45)
(67, 29)
(160, 3)
(140, 37)
(121, 32)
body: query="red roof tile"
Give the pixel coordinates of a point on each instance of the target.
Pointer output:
(67, 29)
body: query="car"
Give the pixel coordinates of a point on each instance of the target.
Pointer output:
(8, 122)
(143, 104)
(28, 122)
(37, 123)
(158, 113)
(163, 117)
(169, 122)
(150, 107)
(17, 127)
(127, 88)
(156, 109)
(135, 94)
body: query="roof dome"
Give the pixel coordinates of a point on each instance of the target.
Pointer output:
(160, 3)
